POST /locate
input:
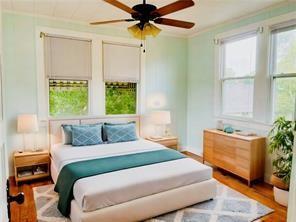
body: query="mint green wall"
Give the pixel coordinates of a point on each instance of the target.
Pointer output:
(166, 69)
(179, 69)
(200, 104)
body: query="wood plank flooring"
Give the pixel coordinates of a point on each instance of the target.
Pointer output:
(261, 192)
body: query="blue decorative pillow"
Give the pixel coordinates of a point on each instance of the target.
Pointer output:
(104, 133)
(120, 132)
(68, 134)
(87, 135)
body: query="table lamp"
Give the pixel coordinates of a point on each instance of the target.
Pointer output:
(27, 124)
(161, 119)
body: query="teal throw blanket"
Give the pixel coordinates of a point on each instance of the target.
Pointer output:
(72, 172)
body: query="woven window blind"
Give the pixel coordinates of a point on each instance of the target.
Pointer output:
(67, 58)
(121, 63)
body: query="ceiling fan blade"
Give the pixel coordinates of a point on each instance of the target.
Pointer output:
(120, 5)
(173, 7)
(175, 23)
(112, 21)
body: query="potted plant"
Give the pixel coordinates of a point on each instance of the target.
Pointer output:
(281, 140)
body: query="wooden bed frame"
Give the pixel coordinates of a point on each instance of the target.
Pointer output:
(141, 208)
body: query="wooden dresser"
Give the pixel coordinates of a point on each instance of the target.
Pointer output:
(240, 155)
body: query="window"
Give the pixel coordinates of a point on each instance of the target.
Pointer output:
(68, 72)
(68, 97)
(121, 98)
(238, 73)
(121, 69)
(85, 74)
(284, 70)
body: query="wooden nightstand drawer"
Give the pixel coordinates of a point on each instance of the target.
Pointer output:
(31, 165)
(170, 143)
(31, 160)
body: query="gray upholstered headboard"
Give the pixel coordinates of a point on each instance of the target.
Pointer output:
(55, 130)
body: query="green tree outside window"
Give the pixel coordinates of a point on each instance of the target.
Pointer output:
(68, 98)
(121, 98)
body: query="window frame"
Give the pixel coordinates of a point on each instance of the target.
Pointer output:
(222, 74)
(272, 66)
(263, 91)
(236, 35)
(96, 85)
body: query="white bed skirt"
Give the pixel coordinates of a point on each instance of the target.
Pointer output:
(149, 206)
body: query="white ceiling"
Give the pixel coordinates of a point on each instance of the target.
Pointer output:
(205, 13)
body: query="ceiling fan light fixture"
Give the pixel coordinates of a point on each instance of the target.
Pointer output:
(148, 29)
(136, 32)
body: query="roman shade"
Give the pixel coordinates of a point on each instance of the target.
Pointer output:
(239, 36)
(67, 58)
(283, 27)
(121, 63)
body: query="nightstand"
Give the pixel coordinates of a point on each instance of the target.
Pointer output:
(31, 165)
(170, 142)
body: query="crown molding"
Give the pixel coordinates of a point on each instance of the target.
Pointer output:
(163, 33)
(239, 18)
(106, 27)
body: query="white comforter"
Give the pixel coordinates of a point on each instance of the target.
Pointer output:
(109, 189)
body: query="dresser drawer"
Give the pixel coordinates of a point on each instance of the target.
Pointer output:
(224, 148)
(243, 163)
(241, 155)
(242, 172)
(30, 160)
(224, 161)
(208, 136)
(208, 154)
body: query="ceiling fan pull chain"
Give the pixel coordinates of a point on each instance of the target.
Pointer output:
(144, 50)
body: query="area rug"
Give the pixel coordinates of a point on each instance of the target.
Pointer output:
(228, 206)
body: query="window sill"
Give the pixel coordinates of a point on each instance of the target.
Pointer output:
(245, 123)
(94, 116)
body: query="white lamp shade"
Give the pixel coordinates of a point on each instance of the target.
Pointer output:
(27, 123)
(161, 117)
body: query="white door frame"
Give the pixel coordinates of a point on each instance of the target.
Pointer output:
(3, 176)
(292, 192)
(3, 152)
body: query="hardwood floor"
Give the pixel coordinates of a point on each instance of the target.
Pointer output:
(261, 192)
(25, 212)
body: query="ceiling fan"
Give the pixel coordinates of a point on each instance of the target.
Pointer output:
(145, 13)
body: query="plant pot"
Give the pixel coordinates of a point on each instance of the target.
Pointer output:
(280, 190)
(278, 182)
(281, 196)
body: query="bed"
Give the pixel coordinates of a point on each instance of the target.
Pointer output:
(132, 194)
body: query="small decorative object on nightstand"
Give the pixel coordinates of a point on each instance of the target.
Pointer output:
(170, 142)
(31, 165)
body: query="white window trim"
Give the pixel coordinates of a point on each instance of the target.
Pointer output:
(263, 90)
(250, 33)
(273, 75)
(220, 51)
(96, 85)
